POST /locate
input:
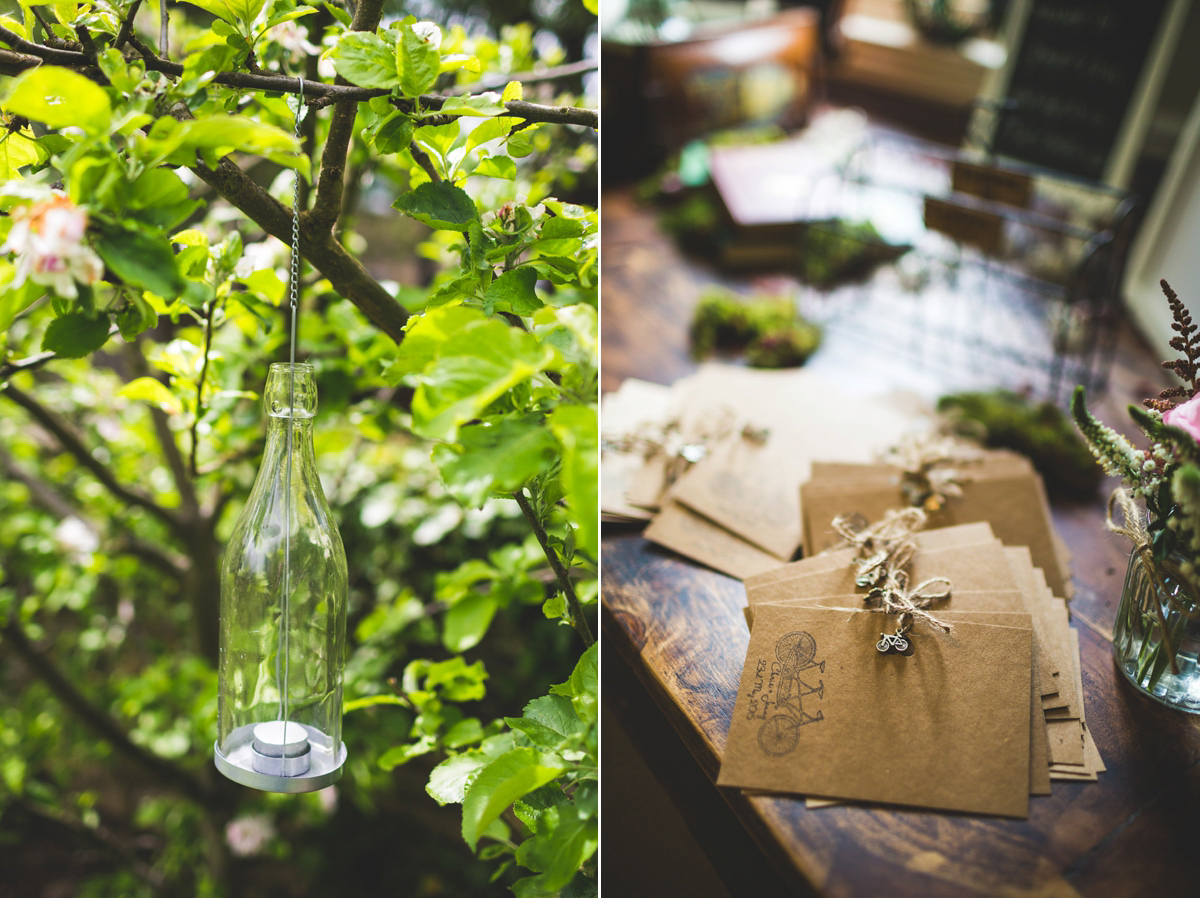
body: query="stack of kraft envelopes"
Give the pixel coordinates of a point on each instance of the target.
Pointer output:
(726, 490)
(975, 720)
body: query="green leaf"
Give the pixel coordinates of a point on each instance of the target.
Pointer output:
(563, 843)
(592, 6)
(75, 335)
(154, 391)
(490, 130)
(465, 732)
(473, 368)
(141, 261)
(548, 721)
(402, 754)
(497, 167)
(15, 300)
(365, 59)
(424, 337)
(582, 688)
(371, 701)
(577, 431)
(484, 105)
(440, 205)
(16, 151)
(458, 681)
(513, 292)
(394, 134)
(467, 621)
(499, 455)
(499, 784)
(232, 11)
(448, 781)
(417, 58)
(58, 97)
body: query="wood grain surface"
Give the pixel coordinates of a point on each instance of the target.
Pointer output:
(680, 627)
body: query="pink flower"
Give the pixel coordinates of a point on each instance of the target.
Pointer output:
(1186, 417)
(249, 835)
(48, 240)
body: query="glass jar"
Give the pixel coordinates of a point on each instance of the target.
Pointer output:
(1150, 601)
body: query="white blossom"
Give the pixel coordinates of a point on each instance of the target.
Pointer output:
(249, 835)
(48, 240)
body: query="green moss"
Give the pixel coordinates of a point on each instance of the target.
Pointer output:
(1038, 430)
(834, 251)
(768, 329)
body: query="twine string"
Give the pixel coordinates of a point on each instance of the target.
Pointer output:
(682, 447)
(884, 551)
(930, 468)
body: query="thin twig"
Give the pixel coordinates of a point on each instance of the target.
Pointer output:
(29, 363)
(164, 21)
(98, 721)
(127, 25)
(422, 159)
(62, 508)
(73, 443)
(208, 332)
(564, 578)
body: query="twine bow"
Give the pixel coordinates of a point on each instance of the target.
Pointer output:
(683, 449)
(929, 475)
(1134, 529)
(884, 550)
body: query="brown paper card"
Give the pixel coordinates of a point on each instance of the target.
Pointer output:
(1004, 490)
(753, 490)
(1066, 741)
(980, 567)
(821, 712)
(682, 530)
(636, 404)
(963, 535)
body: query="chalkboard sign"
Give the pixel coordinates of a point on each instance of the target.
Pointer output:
(1078, 66)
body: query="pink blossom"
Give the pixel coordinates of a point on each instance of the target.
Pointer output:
(1186, 417)
(48, 240)
(249, 835)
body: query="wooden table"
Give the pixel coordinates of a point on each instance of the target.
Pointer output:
(681, 630)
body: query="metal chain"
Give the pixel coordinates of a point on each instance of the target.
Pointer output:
(294, 303)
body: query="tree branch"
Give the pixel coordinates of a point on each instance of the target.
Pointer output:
(166, 437)
(47, 54)
(322, 94)
(72, 443)
(328, 203)
(345, 273)
(208, 332)
(61, 507)
(30, 363)
(127, 25)
(101, 723)
(578, 621)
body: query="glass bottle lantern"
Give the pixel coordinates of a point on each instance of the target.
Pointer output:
(283, 612)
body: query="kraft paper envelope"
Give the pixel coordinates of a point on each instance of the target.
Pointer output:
(949, 537)
(821, 712)
(753, 489)
(979, 567)
(682, 530)
(1002, 488)
(636, 405)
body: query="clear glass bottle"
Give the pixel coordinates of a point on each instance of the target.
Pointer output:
(283, 611)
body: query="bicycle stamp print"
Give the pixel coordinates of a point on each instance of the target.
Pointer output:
(780, 688)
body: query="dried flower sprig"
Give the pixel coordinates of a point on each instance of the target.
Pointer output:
(1187, 367)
